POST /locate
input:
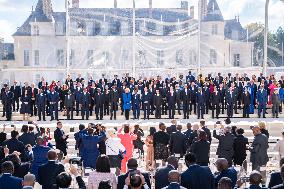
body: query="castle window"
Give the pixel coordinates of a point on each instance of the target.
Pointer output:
(214, 30)
(213, 56)
(26, 57)
(236, 60)
(36, 57)
(59, 28)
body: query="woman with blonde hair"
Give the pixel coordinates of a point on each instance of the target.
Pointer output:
(114, 149)
(262, 126)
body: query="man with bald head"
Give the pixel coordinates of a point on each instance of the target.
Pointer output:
(161, 174)
(224, 170)
(258, 149)
(49, 171)
(174, 179)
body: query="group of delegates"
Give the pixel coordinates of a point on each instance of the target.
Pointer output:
(29, 158)
(154, 96)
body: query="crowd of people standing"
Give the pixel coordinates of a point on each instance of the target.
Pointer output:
(154, 96)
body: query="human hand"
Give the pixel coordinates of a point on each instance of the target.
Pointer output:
(73, 170)
(6, 150)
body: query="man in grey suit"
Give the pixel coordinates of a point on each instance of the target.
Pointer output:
(226, 143)
(275, 99)
(258, 149)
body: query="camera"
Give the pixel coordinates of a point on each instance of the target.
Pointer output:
(76, 160)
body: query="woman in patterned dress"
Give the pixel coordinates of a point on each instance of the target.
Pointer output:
(150, 162)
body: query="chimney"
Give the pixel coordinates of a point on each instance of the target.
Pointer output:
(76, 4)
(192, 12)
(184, 5)
(150, 4)
(115, 4)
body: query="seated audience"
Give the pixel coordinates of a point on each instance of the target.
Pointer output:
(225, 183)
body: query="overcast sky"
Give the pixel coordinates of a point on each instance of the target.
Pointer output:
(14, 12)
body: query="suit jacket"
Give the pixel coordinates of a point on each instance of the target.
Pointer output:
(114, 96)
(185, 96)
(174, 185)
(47, 174)
(171, 99)
(259, 150)
(15, 145)
(157, 100)
(231, 173)
(16, 90)
(262, 96)
(226, 145)
(69, 101)
(177, 143)
(60, 143)
(240, 154)
(200, 98)
(161, 176)
(195, 176)
(99, 99)
(208, 133)
(85, 99)
(246, 100)
(201, 149)
(215, 98)
(121, 179)
(7, 181)
(280, 186)
(41, 100)
(27, 138)
(275, 179)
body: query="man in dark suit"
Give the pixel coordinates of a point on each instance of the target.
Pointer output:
(174, 179)
(116, 81)
(132, 167)
(194, 177)
(41, 103)
(157, 102)
(207, 96)
(185, 97)
(171, 98)
(255, 180)
(225, 171)
(161, 175)
(136, 103)
(246, 103)
(207, 131)
(230, 102)
(16, 89)
(114, 99)
(146, 100)
(26, 88)
(69, 102)
(200, 101)
(49, 171)
(53, 99)
(77, 93)
(85, 102)
(190, 78)
(215, 100)
(178, 98)
(7, 100)
(178, 142)
(7, 181)
(34, 93)
(261, 101)
(60, 138)
(99, 104)
(14, 144)
(226, 143)
(193, 92)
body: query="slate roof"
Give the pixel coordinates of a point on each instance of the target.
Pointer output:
(234, 25)
(213, 12)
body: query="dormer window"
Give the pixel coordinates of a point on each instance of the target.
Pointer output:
(35, 30)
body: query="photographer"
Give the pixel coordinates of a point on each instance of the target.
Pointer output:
(90, 151)
(135, 181)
